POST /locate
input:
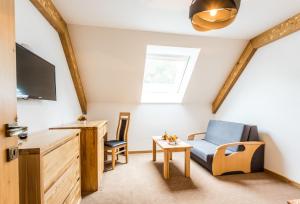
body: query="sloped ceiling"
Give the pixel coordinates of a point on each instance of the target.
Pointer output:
(111, 62)
(171, 16)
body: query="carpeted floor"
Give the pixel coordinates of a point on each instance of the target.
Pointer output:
(141, 182)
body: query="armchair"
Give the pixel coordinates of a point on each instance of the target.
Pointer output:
(228, 147)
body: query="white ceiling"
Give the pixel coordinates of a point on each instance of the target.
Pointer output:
(171, 16)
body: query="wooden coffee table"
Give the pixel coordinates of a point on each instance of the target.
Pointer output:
(168, 149)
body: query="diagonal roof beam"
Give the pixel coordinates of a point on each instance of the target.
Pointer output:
(48, 10)
(283, 29)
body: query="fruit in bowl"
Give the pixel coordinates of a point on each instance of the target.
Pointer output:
(172, 139)
(165, 136)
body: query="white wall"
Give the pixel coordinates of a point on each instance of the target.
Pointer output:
(267, 94)
(111, 63)
(148, 120)
(33, 30)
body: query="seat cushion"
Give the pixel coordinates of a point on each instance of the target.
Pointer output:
(203, 149)
(222, 132)
(114, 143)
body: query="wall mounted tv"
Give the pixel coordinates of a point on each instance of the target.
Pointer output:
(35, 76)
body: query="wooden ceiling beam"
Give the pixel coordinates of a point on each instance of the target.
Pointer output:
(233, 76)
(284, 29)
(48, 10)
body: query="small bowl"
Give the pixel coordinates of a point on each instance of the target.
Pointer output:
(172, 143)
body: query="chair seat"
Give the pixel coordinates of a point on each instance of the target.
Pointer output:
(114, 143)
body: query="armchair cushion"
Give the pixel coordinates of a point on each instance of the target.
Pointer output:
(114, 143)
(221, 132)
(204, 149)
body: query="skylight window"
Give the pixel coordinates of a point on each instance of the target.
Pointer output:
(167, 73)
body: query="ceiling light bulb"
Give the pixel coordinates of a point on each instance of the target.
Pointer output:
(213, 12)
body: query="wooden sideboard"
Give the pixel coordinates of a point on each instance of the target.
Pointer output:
(91, 151)
(49, 168)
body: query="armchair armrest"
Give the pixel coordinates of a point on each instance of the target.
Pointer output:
(248, 144)
(192, 136)
(237, 161)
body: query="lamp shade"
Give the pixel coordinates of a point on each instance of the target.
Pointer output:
(208, 15)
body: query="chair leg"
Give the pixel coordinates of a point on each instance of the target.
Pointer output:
(126, 154)
(113, 158)
(105, 155)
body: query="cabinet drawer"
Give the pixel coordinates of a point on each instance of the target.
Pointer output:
(75, 195)
(59, 192)
(56, 161)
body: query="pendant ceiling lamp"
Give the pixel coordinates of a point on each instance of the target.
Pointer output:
(213, 14)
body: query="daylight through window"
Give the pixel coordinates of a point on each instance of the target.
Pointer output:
(167, 73)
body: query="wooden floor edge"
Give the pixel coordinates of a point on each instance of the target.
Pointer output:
(142, 151)
(283, 178)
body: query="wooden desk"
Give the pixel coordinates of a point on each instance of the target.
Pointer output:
(91, 151)
(168, 149)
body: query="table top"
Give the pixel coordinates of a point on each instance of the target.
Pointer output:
(165, 145)
(77, 125)
(45, 141)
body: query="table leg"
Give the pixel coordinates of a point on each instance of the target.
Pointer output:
(166, 164)
(187, 162)
(171, 155)
(153, 150)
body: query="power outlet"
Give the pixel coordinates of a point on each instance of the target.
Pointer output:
(12, 153)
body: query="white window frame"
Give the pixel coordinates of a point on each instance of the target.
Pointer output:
(166, 51)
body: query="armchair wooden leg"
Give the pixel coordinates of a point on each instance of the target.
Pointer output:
(126, 154)
(113, 158)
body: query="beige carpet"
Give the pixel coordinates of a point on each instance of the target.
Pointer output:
(141, 182)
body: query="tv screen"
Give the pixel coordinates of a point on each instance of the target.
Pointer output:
(35, 76)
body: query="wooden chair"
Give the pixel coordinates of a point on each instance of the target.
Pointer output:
(120, 144)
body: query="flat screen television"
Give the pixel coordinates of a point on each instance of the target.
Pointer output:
(35, 76)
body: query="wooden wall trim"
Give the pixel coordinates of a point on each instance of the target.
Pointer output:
(284, 29)
(233, 76)
(48, 10)
(283, 178)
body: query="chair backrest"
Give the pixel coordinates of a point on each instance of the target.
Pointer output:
(123, 125)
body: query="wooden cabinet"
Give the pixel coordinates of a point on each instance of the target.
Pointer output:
(92, 153)
(49, 168)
